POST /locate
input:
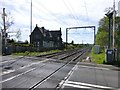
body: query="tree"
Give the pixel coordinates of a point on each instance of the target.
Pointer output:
(26, 41)
(11, 41)
(72, 42)
(8, 20)
(102, 38)
(102, 34)
(117, 32)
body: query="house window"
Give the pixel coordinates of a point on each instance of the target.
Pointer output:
(34, 43)
(58, 38)
(47, 43)
(38, 44)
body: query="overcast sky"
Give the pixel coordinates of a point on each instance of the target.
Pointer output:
(53, 14)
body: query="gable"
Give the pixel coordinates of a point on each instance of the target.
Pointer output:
(44, 34)
(36, 31)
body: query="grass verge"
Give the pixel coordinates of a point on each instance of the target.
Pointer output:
(35, 53)
(98, 58)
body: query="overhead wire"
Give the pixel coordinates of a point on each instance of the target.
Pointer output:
(86, 10)
(70, 11)
(76, 17)
(51, 13)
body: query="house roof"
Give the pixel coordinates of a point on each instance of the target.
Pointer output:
(47, 33)
(44, 31)
(56, 33)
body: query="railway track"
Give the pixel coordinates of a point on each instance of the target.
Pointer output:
(57, 70)
(50, 55)
(7, 64)
(41, 71)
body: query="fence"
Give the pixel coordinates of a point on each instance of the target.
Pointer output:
(22, 48)
(14, 49)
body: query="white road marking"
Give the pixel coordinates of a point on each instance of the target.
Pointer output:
(86, 84)
(94, 67)
(66, 81)
(8, 61)
(3, 60)
(31, 58)
(61, 84)
(10, 71)
(76, 86)
(71, 71)
(17, 58)
(18, 75)
(6, 72)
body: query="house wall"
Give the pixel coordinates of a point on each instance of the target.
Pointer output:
(45, 39)
(36, 38)
(48, 44)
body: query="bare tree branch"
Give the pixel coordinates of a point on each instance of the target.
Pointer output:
(18, 34)
(8, 22)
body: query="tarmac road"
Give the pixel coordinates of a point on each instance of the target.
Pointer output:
(26, 77)
(93, 78)
(70, 76)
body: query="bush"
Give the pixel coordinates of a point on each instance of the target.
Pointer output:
(27, 53)
(98, 58)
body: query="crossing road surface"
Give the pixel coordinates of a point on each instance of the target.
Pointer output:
(93, 78)
(37, 72)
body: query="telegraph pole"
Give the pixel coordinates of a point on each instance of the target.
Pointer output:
(31, 18)
(94, 36)
(113, 44)
(4, 31)
(66, 37)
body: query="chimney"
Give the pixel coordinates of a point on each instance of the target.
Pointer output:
(36, 25)
(60, 28)
(43, 29)
(60, 31)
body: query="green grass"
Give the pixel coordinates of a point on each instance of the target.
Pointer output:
(34, 53)
(98, 58)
